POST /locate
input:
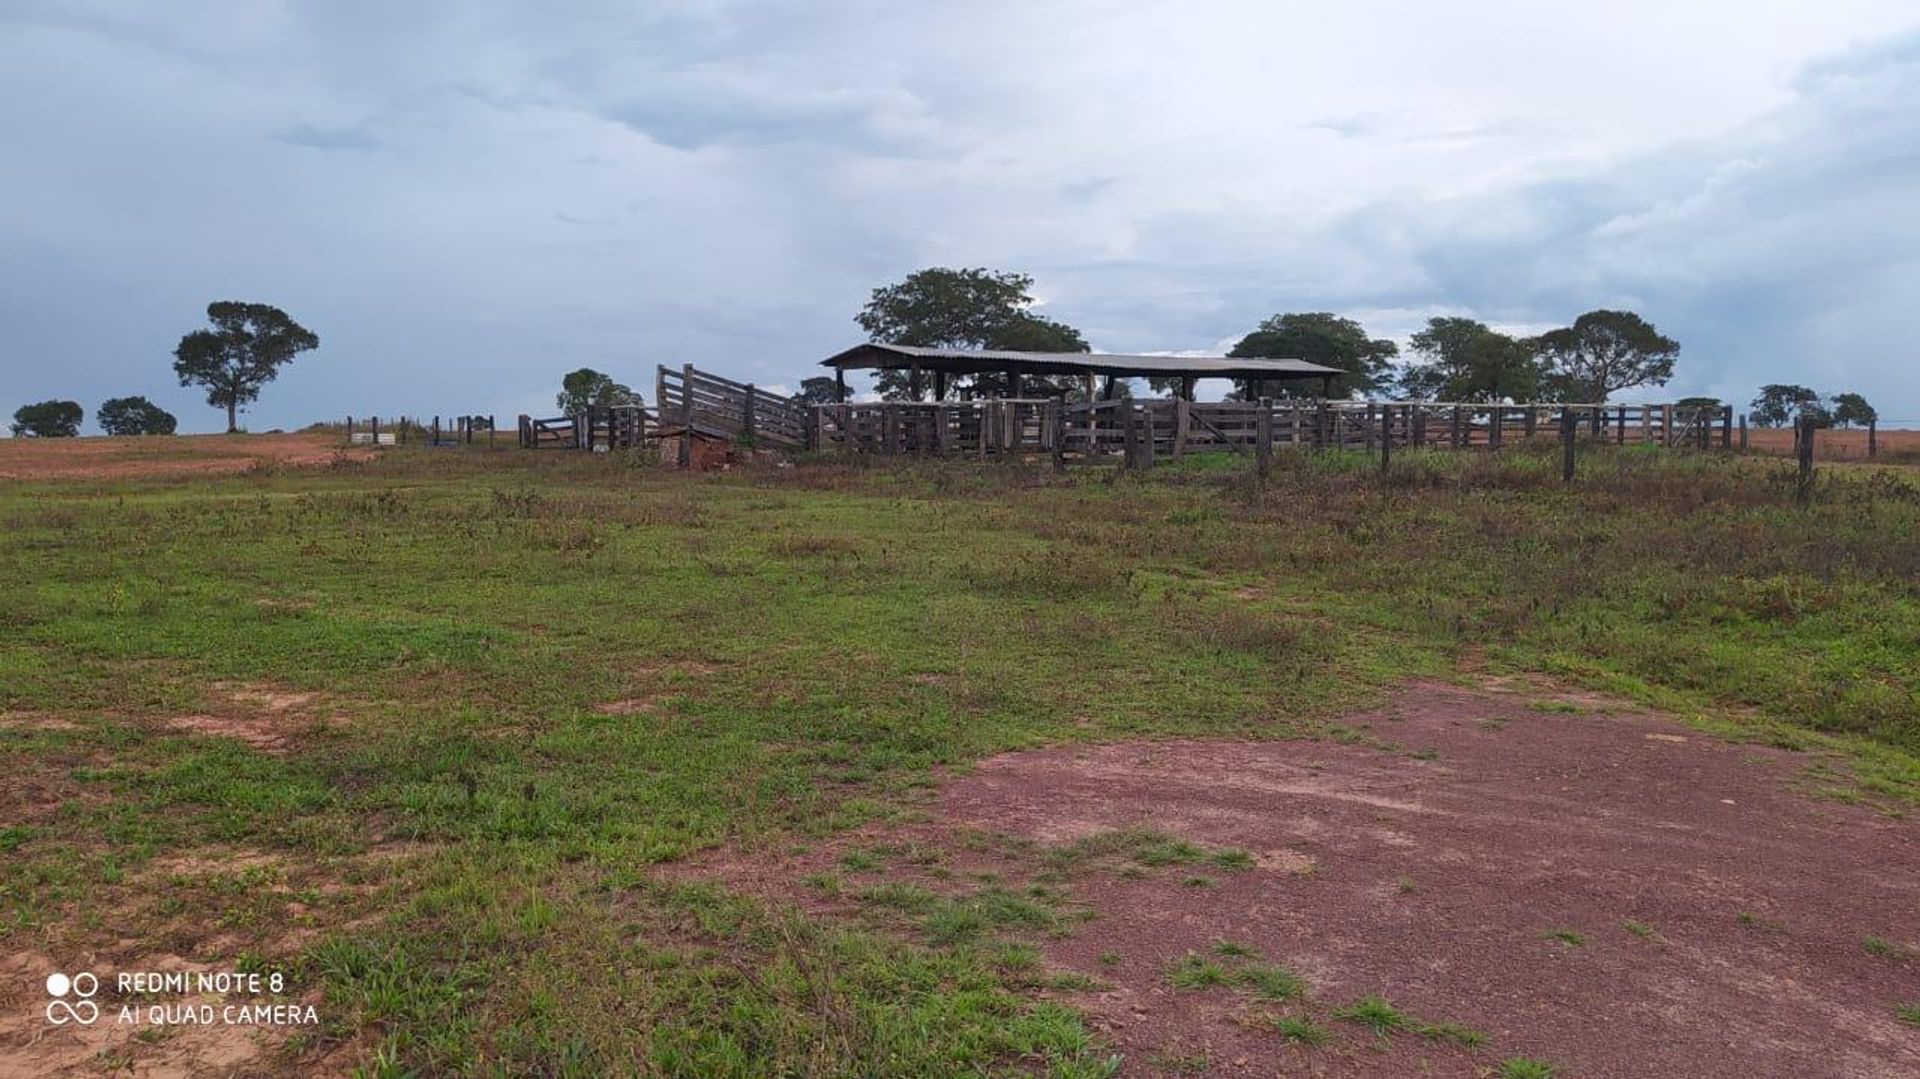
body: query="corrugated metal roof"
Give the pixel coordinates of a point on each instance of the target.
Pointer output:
(967, 359)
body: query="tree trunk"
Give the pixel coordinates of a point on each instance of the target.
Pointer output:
(231, 426)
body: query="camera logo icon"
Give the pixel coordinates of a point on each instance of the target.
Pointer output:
(70, 998)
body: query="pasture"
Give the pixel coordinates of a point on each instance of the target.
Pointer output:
(573, 764)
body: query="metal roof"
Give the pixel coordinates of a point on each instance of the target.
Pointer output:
(874, 355)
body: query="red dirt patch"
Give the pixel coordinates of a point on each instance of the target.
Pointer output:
(1432, 874)
(167, 455)
(265, 716)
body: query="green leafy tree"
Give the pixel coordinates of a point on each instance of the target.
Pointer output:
(587, 389)
(1465, 360)
(820, 390)
(48, 419)
(1779, 403)
(1850, 409)
(1602, 353)
(970, 308)
(1323, 338)
(245, 349)
(134, 416)
(1698, 402)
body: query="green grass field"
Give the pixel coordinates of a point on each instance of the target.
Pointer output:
(525, 682)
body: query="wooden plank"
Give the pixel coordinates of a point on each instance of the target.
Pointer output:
(1263, 439)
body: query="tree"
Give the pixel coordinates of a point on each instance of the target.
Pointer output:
(587, 389)
(1464, 360)
(1851, 408)
(1604, 352)
(972, 308)
(244, 351)
(819, 390)
(1779, 403)
(134, 416)
(1323, 338)
(48, 419)
(1697, 402)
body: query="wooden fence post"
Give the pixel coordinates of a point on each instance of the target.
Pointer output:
(1294, 408)
(1566, 444)
(1495, 426)
(1263, 439)
(1386, 439)
(1529, 422)
(1056, 432)
(1146, 436)
(1620, 436)
(1726, 427)
(746, 416)
(1181, 418)
(1873, 436)
(686, 417)
(1321, 434)
(1459, 427)
(1803, 447)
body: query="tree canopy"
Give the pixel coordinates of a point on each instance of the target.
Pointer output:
(1604, 352)
(1323, 338)
(1780, 402)
(818, 390)
(970, 308)
(245, 349)
(48, 419)
(134, 416)
(586, 389)
(1850, 409)
(1464, 360)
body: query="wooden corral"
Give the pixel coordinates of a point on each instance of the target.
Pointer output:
(617, 428)
(1141, 430)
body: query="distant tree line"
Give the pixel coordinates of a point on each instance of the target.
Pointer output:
(1780, 404)
(1457, 359)
(245, 348)
(117, 416)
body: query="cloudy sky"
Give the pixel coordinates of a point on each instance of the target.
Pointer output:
(467, 199)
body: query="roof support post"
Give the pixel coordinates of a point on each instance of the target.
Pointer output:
(914, 385)
(1186, 387)
(1013, 382)
(939, 385)
(840, 385)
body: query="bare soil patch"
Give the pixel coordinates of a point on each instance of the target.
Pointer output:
(1595, 886)
(165, 455)
(265, 716)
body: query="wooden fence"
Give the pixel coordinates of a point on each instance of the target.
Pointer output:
(692, 402)
(1137, 429)
(617, 428)
(401, 430)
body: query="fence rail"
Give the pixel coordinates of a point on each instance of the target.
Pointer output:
(1145, 429)
(693, 402)
(616, 428)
